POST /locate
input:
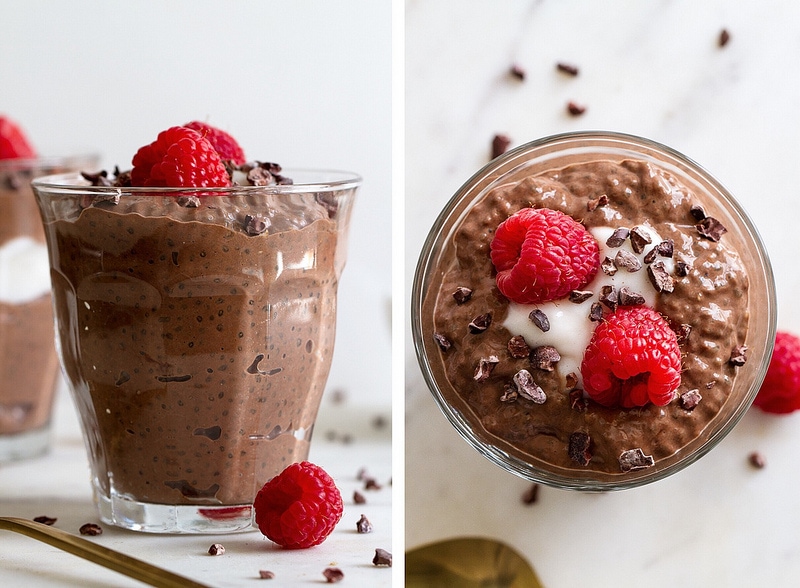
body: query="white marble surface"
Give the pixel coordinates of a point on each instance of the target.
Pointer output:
(652, 69)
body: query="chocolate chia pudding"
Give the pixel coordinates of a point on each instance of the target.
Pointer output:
(28, 361)
(196, 328)
(473, 341)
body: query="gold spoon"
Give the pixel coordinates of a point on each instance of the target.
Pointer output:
(113, 560)
(468, 562)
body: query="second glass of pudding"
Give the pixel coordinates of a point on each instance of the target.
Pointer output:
(711, 280)
(196, 329)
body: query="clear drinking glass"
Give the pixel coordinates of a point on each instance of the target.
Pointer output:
(196, 328)
(28, 361)
(554, 153)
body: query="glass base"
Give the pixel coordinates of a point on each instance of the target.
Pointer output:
(24, 445)
(148, 517)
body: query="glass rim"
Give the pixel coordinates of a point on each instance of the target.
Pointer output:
(325, 180)
(444, 225)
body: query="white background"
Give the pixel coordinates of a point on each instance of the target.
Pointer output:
(304, 83)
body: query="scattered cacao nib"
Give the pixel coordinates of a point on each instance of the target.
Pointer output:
(527, 388)
(567, 68)
(578, 296)
(462, 294)
(500, 144)
(258, 176)
(639, 239)
(627, 261)
(608, 267)
(189, 201)
(363, 525)
(443, 341)
(666, 248)
(509, 393)
(540, 319)
(531, 495)
(358, 498)
(690, 399)
(618, 237)
(371, 484)
(711, 228)
(333, 575)
(266, 574)
(629, 298)
(635, 459)
(697, 212)
(216, 549)
(382, 558)
(45, 520)
(122, 179)
(757, 460)
(480, 323)
(579, 448)
(571, 380)
(485, 367)
(517, 71)
(91, 529)
(575, 109)
(659, 277)
(595, 203)
(97, 179)
(254, 225)
(609, 297)
(596, 312)
(650, 256)
(739, 355)
(577, 401)
(545, 357)
(724, 37)
(517, 347)
(681, 269)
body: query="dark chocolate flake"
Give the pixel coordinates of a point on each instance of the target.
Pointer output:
(627, 261)
(665, 248)
(690, 399)
(485, 367)
(528, 388)
(358, 498)
(596, 312)
(635, 459)
(608, 266)
(363, 525)
(659, 277)
(738, 355)
(650, 256)
(697, 212)
(545, 357)
(480, 323)
(639, 239)
(509, 393)
(681, 269)
(724, 38)
(216, 549)
(266, 574)
(45, 520)
(609, 297)
(518, 348)
(578, 296)
(575, 109)
(517, 71)
(579, 448)
(531, 495)
(618, 237)
(443, 342)
(540, 319)
(628, 297)
(462, 294)
(91, 529)
(711, 228)
(500, 145)
(567, 68)
(97, 179)
(577, 401)
(333, 575)
(757, 460)
(595, 203)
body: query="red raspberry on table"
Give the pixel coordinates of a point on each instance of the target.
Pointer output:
(542, 254)
(13, 142)
(299, 507)
(633, 358)
(780, 391)
(180, 158)
(224, 144)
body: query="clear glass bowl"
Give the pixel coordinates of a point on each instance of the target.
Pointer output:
(557, 152)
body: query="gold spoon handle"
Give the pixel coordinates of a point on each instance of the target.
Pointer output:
(113, 560)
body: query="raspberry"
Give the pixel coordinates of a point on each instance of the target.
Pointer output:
(299, 507)
(780, 391)
(13, 143)
(179, 158)
(227, 147)
(633, 358)
(541, 255)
